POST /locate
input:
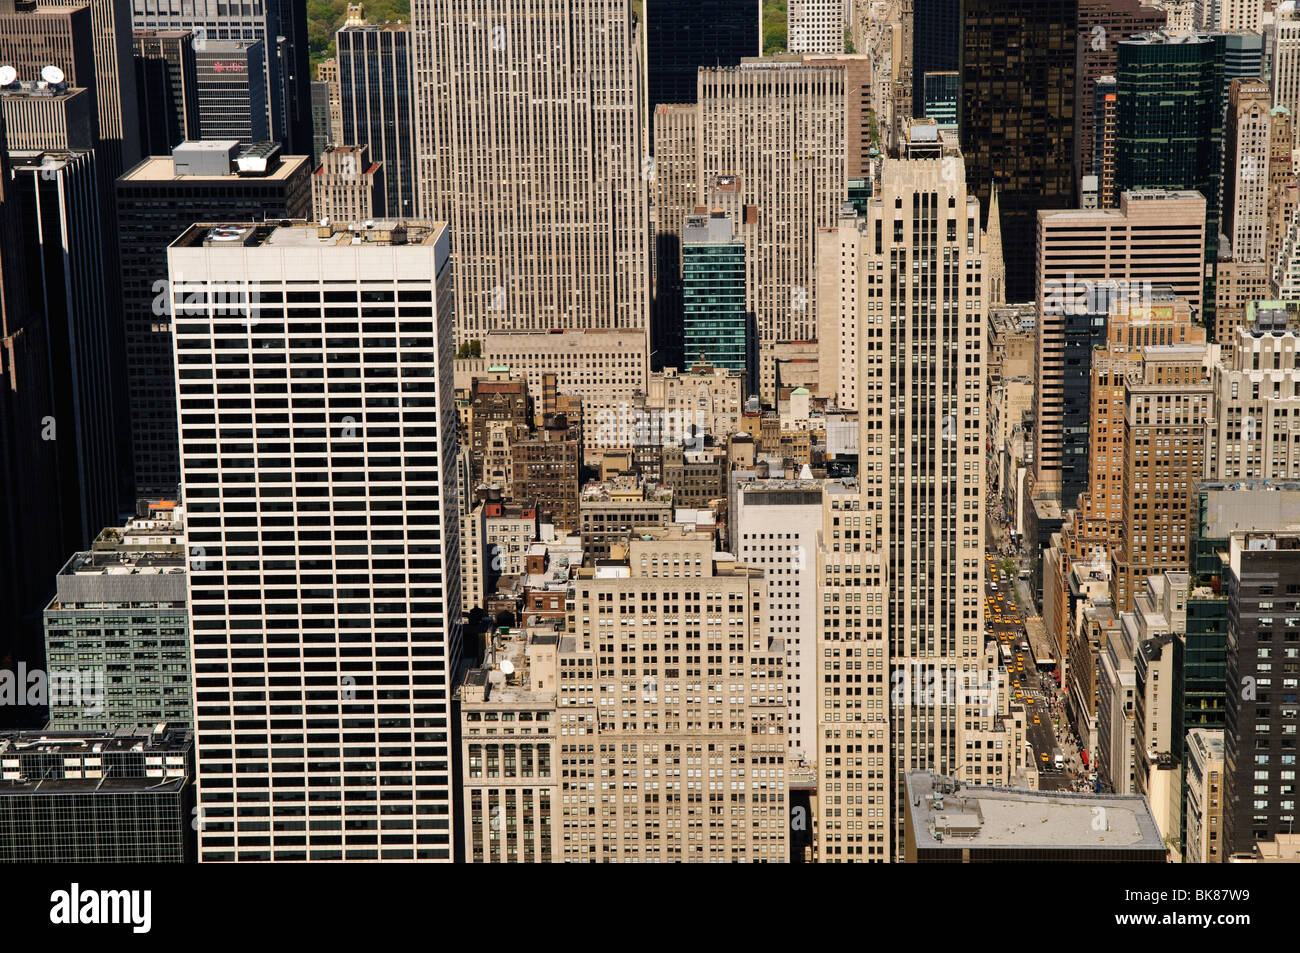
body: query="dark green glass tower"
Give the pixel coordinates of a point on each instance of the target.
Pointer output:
(716, 328)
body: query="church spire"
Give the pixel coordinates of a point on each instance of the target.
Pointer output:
(995, 265)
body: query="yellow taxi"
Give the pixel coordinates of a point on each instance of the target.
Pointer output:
(1044, 757)
(1035, 719)
(1020, 695)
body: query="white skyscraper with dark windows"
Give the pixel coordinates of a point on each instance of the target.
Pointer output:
(318, 448)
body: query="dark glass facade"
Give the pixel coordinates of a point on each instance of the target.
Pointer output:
(1083, 333)
(97, 797)
(715, 324)
(941, 97)
(936, 46)
(1262, 705)
(375, 85)
(1017, 118)
(683, 35)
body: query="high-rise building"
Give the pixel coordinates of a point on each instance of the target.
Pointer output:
(347, 185)
(659, 721)
(230, 90)
(278, 25)
(374, 83)
(1258, 736)
(780, 126)
(1102, 24)
(120, 622)
(98, 797)
(156, 201)
(327, 72)
(684, 35)
(29, 552)
(1162, 148)
(167, 85)
(1285, 76)
(899, 556)
(816, 26)
(1017, 117)
(936, 48)
(941, 98)
(715, 325)
(1256, 382)
(1105, 126)
(1203, 809)
(352, 626)
(777, 524)
(529, 144)
(1153, 238)
(58, 200)
(676, 190)
(114, 81)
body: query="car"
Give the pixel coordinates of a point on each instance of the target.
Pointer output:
(1044, 757)
(1029, 700)
(1020, 695)
(1035, 719)
(1020, 667)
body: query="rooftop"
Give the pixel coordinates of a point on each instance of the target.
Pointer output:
(947, 812)
(296, 234)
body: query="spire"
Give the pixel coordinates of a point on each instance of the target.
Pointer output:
(995, 264)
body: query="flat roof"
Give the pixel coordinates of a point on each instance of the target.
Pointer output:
(947, 813)
(161, 169)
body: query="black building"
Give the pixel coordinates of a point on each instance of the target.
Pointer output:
(375, 87)
(1263, 702)
(683, 35)
(97, 797)
(936, 44)
(1017, 118)
(167, 85)
(158, 200)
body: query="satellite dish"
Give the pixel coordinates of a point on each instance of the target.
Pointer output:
(52, 75)
(507, 667)
(8, 75)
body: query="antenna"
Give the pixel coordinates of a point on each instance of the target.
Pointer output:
(52, 75)
(507, 667)
(8, 75)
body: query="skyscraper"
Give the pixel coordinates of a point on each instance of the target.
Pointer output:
(664, 577)
(529, 145)
(1017, 117)
(1170, 125)
(156, 201)
(167, 86)
(1102, 25)
(816, 26)
(256, 21)
(29, 553)
(1153, 238)
(58, 196)
(684, 35)
(899, 559)
(715, 324)
(231, 91)
(351, 627)
(374, 77)
(115, 93)
(779, 127)
(936, 45)
(1246, 170)
(1258, 737)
